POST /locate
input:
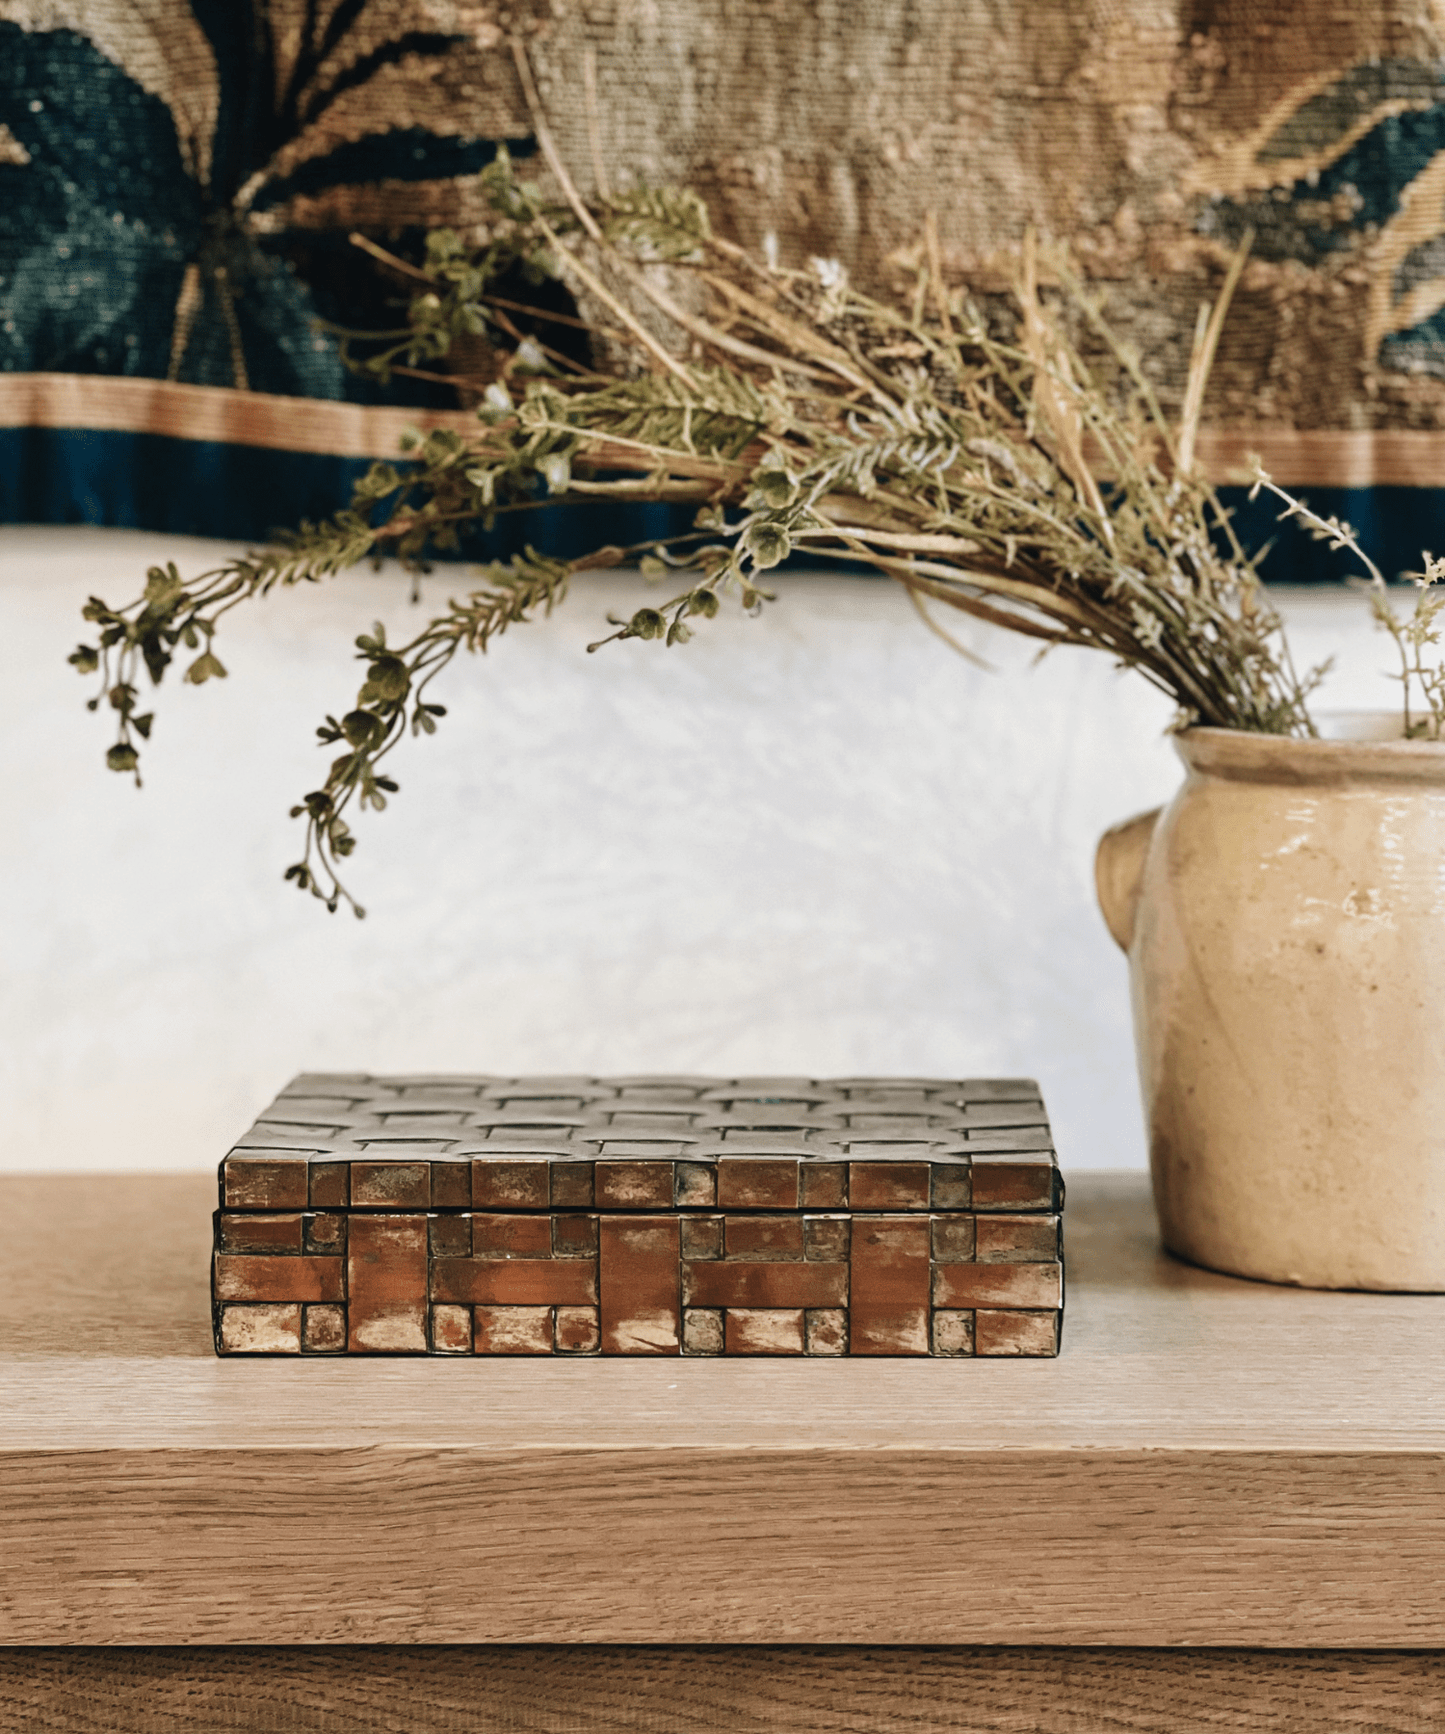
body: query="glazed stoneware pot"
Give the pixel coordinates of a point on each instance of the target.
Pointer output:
(1284, 918)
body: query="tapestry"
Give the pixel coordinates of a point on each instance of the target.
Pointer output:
(180, 182)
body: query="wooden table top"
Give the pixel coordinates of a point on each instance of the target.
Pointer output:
(1210, 1461)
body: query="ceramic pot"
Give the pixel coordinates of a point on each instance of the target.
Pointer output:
(1284, 918)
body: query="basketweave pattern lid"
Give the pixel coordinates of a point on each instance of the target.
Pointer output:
(655, 1142)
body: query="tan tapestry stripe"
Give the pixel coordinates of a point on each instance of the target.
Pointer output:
(1322, 458)
(210, 412)
(1327, 457)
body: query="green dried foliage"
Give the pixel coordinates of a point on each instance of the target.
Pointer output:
(1416, 636)
(800, 415)
(393, 696)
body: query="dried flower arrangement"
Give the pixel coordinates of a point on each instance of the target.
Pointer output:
(985, 466)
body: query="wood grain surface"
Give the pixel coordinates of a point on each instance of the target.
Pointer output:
(1209, 1462)
(577, 1690)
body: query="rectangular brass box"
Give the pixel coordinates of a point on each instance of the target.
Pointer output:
(455, 1215)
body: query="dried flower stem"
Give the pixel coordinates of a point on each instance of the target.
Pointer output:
(1004, 476)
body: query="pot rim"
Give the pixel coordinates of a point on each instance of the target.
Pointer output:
(1238, 755)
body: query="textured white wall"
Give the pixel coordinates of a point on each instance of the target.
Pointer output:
(814, 842)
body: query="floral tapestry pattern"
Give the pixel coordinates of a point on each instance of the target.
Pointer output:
(180, 179)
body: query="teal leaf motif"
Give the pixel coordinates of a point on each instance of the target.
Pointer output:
(116, 257)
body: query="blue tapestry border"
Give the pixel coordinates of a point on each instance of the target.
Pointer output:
(241, 493)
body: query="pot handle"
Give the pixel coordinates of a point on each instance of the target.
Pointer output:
(1119, 873)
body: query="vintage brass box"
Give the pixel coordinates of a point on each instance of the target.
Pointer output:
(454, 1215)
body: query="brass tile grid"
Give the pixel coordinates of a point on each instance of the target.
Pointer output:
(658, 1215)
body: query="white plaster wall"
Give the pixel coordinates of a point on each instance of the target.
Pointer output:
(815, 842)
